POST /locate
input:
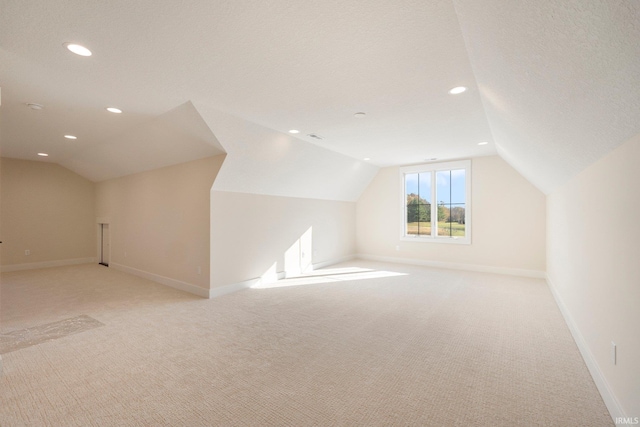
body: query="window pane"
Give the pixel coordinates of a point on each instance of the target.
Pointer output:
(411, 183)
(451, 195)
(424, 182)
(418, 208)
(458, 183)
(443, 188)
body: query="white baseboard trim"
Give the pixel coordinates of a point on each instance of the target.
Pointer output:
(47, 264)
(333, 261)
(235, 287)
(537, 274)
(173, 283)
(256, 282)
(610, 400)
(231, 288)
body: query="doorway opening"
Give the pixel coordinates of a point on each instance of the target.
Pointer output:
(104, 245)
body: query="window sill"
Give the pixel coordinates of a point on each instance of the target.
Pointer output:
(445, 240)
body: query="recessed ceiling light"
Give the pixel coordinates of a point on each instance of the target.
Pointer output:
(77, 49)
(483, 143)
(315, 136)
(34, 106)
(457, 90)
(43, 154)
(360, 115)
(71, 137)
(114, 110)
(294, 131)
(366, 159)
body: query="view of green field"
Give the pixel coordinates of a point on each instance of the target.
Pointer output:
(453, 229)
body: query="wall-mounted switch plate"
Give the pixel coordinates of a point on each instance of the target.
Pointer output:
(27, 252)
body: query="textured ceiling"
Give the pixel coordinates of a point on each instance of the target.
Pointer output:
(263, 161)
(177, 136)
(557, 82)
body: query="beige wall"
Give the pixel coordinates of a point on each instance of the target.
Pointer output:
(250, 233)
(593, 262)
(508, 221)
(159, 220)
(47, 210)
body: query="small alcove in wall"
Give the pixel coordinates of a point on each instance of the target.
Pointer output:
(104, 243)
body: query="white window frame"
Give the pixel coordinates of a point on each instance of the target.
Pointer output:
(433, 168)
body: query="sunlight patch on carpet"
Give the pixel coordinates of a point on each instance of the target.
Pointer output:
(324, 276)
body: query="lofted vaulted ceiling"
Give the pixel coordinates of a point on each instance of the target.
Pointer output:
(552, 86)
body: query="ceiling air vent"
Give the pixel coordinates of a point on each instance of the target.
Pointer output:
(315, 136)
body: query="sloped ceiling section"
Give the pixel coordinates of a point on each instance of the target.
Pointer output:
(177, 136)
(559, 80)
(552, 85)
(263, 161)
(280, 64)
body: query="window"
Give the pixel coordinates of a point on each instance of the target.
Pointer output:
(436, 202)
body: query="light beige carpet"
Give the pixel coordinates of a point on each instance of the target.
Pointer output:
(427, 348)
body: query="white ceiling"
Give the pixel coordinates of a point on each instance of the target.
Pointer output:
(552, 85)
(263, 161)
(559, 80)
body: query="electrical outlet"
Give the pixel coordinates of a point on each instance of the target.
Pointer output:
(199, 270)
(614, 353)
(27, 252)
(398, 248)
